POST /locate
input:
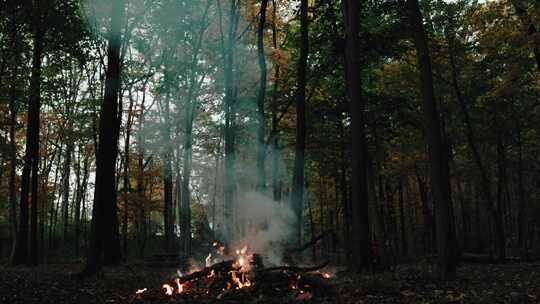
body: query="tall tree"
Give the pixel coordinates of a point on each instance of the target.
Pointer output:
(167, 155)
(16, 57)
(440, 179)
(66, 173)
(274, 137)
(13, 162)
(228, 50)
(104, 239)
(141, 214)
(470, 135)
(31, 158)
(127, 184)
(261, 94)
(191, 109)
(360, 241)
(297, 195)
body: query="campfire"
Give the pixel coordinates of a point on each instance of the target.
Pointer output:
(242, 275)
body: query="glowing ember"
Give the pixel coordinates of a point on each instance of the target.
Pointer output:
(326, 275)
(140, 291)
(168, 289)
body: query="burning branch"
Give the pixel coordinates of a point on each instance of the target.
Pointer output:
(245, 275)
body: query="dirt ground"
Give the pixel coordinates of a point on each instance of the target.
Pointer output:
(513, 283)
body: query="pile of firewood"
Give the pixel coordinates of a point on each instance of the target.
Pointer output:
(231, 282)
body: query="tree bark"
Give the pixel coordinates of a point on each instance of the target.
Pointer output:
(66, 172)
(141, 216)
(104, 238)
(464, 217)
(261, 95)
(190, 114)
(228, 47)
(404, 247)
(522, 218)
(469, 132)
(127, 186)
(82, 184)
(31, 160)
(429, 233)
(276, 180)
(361, 243)
(54, 209)
(13, 162)
(185, 203)
(297, 194)
(167, 173)
(439, 163)
(499, 219)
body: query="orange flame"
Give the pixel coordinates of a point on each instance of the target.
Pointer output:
(242, 281)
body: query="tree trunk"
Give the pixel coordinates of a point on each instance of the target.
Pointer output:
(344, 189)
(104, 239)
(522, 219)
(261, 94)
(377, 223)
(141, 215)
(82, 184)
(499, 221)
(127, 186)
(469, 132)
(426, 214)
(464, 217)
(178, 186)
(66, 172)
(185, 203)
(167, 177)
(404, 247)
(44, 191)
(13, 163)
(54, 209)
(229, 47)
(297, 195)
(439, 163)
(276, 180)
(361, 244)
(191, 112)
(31, 159)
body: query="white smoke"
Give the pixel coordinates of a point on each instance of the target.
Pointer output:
(266, 225)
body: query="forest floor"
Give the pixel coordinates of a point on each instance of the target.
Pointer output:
(502, 283)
